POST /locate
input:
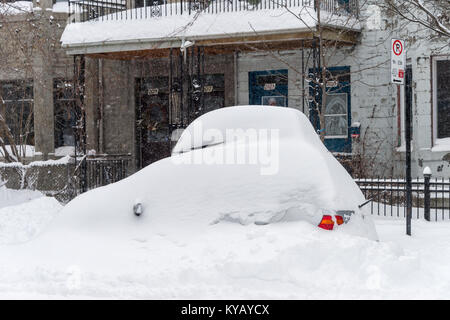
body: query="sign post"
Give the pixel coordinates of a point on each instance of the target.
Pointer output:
(408, 169)
(398, 61)
(398, 67)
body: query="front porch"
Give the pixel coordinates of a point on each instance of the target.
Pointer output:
(150, 73)
(113, 26)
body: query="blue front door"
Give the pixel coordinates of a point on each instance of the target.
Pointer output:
(337, 111)
(268, 87)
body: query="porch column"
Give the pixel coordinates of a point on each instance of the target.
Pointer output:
(43, 105)
(91, 101)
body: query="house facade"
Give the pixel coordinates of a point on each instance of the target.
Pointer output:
(153, 69)
(150, 68)
(36, 80)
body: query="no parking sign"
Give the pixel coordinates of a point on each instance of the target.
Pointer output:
(398, 61)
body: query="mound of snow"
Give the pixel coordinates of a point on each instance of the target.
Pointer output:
(228, 261)
(187, 242)
(16, 7)
(179, 194)
(23, 222)
(10, 197)
(24, 214)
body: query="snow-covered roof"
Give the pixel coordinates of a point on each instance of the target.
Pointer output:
(137, 26)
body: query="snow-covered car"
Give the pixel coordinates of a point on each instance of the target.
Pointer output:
(245, 164)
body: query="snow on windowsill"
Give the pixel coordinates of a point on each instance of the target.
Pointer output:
(441, 145)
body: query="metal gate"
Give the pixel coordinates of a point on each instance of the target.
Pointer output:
(165, 104)
(152, 123)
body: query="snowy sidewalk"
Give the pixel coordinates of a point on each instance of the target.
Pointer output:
(279, 261)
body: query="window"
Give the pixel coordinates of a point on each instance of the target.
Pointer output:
(16, 107)
(336, 117)
(65, 112)
(441, 96)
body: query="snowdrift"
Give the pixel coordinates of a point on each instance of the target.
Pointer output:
(24, 214)
(197, 237)
(188, 192)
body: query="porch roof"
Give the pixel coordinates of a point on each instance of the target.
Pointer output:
(114, 33)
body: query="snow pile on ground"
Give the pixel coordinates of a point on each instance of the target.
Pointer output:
(23, 222)
(24, 214)
(65, 151)
(17, 7)
(62, 6)
(23, 150)
(187, 243)
(29, 151)
(10, 197)
(304, 182)
(230, 261)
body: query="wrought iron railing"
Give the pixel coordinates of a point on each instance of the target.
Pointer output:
(96, 171)
(430, 197)
(105, 10)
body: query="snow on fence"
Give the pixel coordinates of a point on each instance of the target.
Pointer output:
(67, 177)
(388, 197)
(104, 10)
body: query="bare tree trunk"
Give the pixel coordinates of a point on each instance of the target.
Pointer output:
(322, 81)
(5, 132)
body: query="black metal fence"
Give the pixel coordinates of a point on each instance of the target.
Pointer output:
(104, 10)
(94, 172)
(431, 197)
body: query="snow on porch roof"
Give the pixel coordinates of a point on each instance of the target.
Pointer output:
(122, 34)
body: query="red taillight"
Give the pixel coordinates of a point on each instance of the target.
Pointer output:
(339, 220)
(327, 223)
